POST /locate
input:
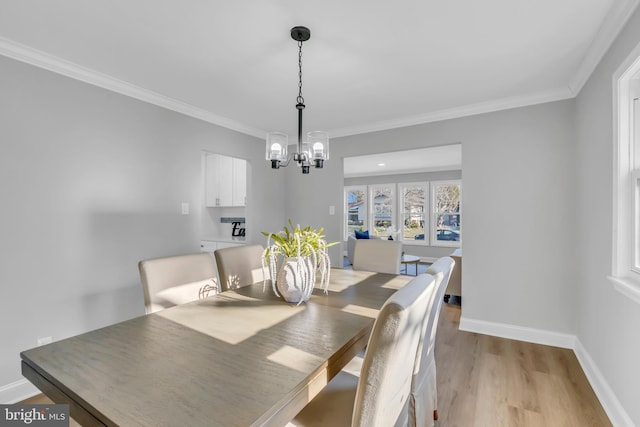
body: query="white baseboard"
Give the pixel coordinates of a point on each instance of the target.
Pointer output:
(617, 415)
(537, 336)
(609, 401)
(17, 391)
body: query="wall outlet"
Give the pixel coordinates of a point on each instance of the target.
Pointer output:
(332, 210)
(185, 208)
(44, 340)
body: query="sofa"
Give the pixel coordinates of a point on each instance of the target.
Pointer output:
(351, 246)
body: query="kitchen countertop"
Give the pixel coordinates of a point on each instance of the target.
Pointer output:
(226, 239)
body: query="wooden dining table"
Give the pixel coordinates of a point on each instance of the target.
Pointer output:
(240, 358)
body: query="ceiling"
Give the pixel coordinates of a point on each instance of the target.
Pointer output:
(369, 65)
(432, 159)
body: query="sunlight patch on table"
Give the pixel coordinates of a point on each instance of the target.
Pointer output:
(295, 358)
(361, 311)
(229, 320)
(396, 283)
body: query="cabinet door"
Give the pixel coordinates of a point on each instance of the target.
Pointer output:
(211, 196)
(218, 181)
(224, 176)
(239, 182)
(225, 181)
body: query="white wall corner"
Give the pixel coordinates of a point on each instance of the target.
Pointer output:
(17, 391)
(617, 415)
(612, 406)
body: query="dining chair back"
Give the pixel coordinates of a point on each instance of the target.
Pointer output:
(424, 396)
(239, 266)
(173, 280)
(380, 397)
(381, 256)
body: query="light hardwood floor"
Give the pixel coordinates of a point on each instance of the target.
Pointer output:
(485, 381)
(41, 399)
(492, 382)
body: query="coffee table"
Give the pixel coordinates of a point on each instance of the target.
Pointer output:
(409, 259)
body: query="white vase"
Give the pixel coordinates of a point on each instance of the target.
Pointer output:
(295, 279)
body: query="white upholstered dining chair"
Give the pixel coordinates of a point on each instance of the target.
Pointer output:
(380, 397)
(424, 394)
(381, 256)
(174, 280)
(239, 266)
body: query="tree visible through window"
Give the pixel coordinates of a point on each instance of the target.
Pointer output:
(356, 209)
(414, 211)
(382, 212)
(446, 213)
(376, 208)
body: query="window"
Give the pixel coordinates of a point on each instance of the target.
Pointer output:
(626, 208)
(382, 201)
(414, 212)
(407, 217)
(446, 220)
(355, 209)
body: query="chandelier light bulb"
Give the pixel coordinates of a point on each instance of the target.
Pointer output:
(318, 150)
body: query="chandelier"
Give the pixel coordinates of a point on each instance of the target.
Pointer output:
(315, 150)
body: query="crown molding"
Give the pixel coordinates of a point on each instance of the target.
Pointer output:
(52, 63)
(609, 30)
(66, 68)
(458, 112)
(611, 26)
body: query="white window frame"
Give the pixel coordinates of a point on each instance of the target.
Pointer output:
(434, 215)
(625, 265)
(401, 212)
(394, 206)
(348, 188)
(635, 188)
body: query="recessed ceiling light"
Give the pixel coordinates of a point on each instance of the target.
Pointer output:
(380, 164)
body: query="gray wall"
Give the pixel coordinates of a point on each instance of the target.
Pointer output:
(91, 182)
(608, 322)
(518, 174)
(424, 251)
(308, 198)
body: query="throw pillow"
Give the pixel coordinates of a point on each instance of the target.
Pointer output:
(362, 234)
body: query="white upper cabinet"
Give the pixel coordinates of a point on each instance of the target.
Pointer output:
(239, 193)
(225, 181)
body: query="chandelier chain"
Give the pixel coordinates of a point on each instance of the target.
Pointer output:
(300, 98)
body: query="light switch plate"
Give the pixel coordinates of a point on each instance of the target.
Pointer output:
(332, 210)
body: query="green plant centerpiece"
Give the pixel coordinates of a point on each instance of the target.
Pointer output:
(294, 258)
